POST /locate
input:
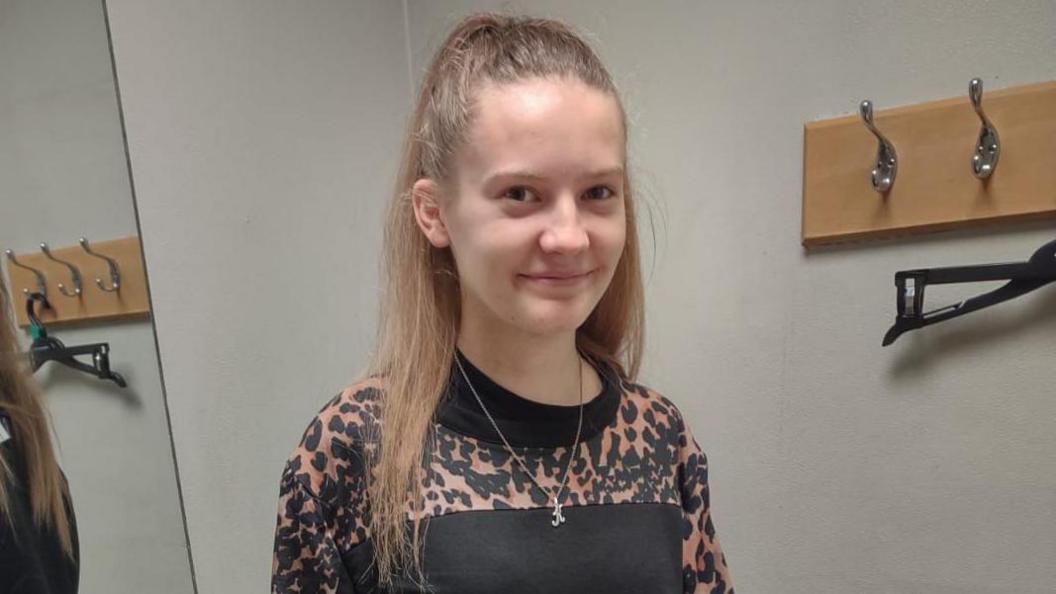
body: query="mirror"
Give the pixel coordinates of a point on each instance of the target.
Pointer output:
(63, 176)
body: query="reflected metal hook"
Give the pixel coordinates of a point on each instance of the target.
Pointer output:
(883, 176)
(988, 147)
(73, 271)
(115, 272)
(36, 326)
(42, 286)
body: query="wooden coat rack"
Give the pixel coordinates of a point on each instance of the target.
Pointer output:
(95, 304)
(934, 188)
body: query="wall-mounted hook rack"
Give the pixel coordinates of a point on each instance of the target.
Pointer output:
(95, 303)
(936, 190)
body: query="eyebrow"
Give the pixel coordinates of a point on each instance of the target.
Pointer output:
(535, 176)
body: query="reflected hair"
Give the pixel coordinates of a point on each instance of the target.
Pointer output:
(22, 403)
(419, 310)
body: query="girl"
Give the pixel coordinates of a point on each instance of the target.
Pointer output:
(38, 532)
(498, 442)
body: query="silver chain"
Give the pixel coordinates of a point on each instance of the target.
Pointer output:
(558, 517)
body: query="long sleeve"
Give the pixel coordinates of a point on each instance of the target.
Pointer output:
(323, 513)
(307, 559)
(704, 564)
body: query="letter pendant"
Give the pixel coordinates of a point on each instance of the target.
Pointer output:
(559, 518)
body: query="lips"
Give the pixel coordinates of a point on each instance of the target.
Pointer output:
(557, 275)
(558, 282)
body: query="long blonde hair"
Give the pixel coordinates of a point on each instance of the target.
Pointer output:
(21, 402)
(419, 311)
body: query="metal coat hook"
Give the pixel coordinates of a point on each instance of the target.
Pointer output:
(42, 286)
(988, 147)
(73, 271)
(883, 176)
(115, 272)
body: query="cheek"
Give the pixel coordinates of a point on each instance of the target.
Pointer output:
(612, 238)
(492, 254)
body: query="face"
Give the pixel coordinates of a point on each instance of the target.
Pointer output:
(535, 213)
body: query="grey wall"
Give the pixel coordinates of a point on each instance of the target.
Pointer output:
(63, 174)
(263, 141)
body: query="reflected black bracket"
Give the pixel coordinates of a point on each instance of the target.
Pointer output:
(1023, 278)
(48, 348)
(51, 349)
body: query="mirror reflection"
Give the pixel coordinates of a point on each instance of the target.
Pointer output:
(88, 485)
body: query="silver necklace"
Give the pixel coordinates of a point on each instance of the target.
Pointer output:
(558, 516)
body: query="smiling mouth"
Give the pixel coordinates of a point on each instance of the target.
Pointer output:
(558, 281)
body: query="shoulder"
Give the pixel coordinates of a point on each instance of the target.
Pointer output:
(654, 422)
(350, 416)
(647, 406)
(329, 459)
(673, 437)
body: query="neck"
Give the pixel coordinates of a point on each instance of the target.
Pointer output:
(543, 368)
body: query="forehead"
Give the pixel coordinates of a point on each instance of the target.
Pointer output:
(551, 126)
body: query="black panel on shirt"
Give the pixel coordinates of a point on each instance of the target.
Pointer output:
(605, 549)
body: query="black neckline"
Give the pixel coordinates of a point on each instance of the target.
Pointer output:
(524, 422)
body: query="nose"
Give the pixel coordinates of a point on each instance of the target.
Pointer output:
(565, 231)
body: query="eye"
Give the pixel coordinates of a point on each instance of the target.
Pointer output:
(518, 193)
(606, 192)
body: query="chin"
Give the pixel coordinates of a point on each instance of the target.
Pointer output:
(554, 317)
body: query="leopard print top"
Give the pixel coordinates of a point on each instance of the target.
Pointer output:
(636, 504)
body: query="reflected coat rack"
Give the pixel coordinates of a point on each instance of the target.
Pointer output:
(935, 188)
(94, 303)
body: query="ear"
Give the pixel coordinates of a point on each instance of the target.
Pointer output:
(425, 198)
